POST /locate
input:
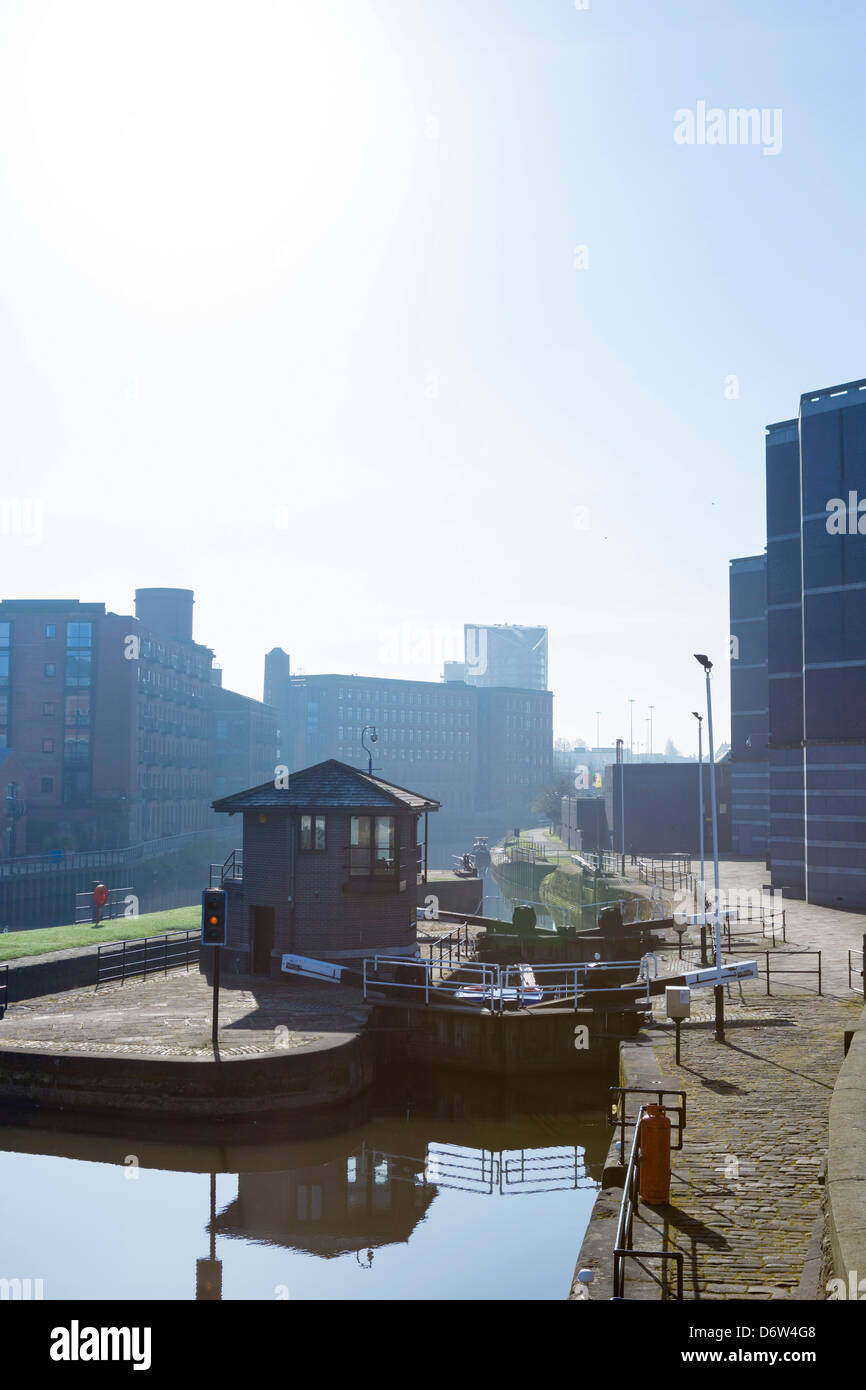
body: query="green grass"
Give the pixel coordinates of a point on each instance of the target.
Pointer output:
(37, 943)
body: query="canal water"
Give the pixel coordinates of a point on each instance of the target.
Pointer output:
(448, 1188)
(501, 907)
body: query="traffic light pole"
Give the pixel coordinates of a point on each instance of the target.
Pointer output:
(215, 1014)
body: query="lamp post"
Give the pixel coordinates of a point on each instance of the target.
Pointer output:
(597, 728)
(718, 989)
(631, 729)
(374, 738)
(700, 719)
(621, 764)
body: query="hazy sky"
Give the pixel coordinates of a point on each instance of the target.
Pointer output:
(292, 312)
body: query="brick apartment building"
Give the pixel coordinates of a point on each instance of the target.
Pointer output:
(116, 721)
(481, 752)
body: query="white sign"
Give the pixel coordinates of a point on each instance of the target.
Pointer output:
(739, 970)
(305, 965)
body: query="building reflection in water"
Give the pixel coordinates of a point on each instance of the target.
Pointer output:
(354, 1185)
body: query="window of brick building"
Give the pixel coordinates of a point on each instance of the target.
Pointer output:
(312, 833)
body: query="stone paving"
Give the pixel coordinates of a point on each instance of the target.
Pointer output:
(746, 1188)
(170, 1016)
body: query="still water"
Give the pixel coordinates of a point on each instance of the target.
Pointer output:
(451, 1188)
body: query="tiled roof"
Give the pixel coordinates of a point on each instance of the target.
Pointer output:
(328, 786)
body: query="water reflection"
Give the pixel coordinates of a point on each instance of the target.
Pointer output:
(429, 1157)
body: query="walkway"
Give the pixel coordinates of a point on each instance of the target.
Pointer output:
(746, 1188)
(170, 1016)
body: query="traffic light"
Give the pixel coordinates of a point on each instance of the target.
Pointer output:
(214, 917)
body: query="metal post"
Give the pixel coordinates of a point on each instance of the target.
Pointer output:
(819, 972)
(621, 761)
(701, 807)
(863, 971)
(718, 989)
(678, 1041)
(216, 996)
(767, 954)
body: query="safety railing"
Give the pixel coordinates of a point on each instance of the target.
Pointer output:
(4, 989)
(231, 871)
(451, 950)
(624, 1246)
(668, 871)
(496, 987)
(85, 910)
(815, 970)
(862, 971)
(146, 955)
(603, 861)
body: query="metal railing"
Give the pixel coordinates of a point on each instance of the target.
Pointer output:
(230, 871)
(4, 989)
(669, 870)
(65, 860)
(862, 971)
(454, 949)
(624, 1248)
(146, 955)
(114, 908)
(496, 986)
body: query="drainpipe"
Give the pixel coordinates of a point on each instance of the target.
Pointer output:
(292, 836)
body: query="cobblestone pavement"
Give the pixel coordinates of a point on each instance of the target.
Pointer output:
(170, 1016)
(746, 1187)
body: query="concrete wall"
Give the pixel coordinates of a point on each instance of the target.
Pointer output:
(323, 1074)
(846, 1162)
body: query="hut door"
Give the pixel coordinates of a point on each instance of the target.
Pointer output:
(263, 939)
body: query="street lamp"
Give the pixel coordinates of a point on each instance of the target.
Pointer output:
(718, 989)
(621, 762)
(631, 728)
(374, 738)
(700, 719)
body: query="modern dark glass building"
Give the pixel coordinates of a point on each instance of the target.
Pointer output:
(750, 768)
(816, 648)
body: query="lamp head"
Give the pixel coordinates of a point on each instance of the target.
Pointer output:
(699, 717)
(705, 661)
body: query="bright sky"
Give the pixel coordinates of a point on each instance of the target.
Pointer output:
(291, 313)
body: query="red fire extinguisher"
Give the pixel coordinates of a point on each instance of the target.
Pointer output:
(655, 1156)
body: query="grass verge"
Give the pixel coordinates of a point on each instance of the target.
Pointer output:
(15, 944)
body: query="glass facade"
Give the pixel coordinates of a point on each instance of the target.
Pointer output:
(77, 713)
(816, 648)
(750, 769)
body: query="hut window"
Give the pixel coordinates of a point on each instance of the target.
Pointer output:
(372, 845)
(312, 832)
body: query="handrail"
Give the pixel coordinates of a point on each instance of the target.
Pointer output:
(624, 1241)
(501, 984)
(862, 954)
(120, 960)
